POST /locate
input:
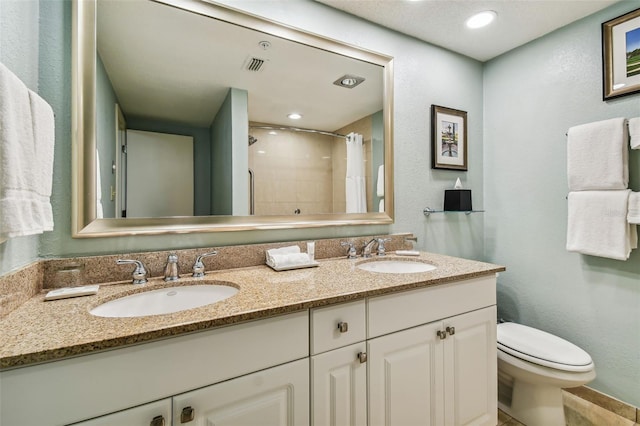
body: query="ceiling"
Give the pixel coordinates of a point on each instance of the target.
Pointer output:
(441, 22)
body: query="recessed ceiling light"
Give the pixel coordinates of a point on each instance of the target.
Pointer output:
(481, 19)
(349, 81)
(273, 132)
(295, 116)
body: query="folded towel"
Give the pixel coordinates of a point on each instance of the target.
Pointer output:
(634, 132)
(26, 159)
(287, 260)
(281, 251)
(380, 182)
(633, 214)
(597, 156)
(597, 224)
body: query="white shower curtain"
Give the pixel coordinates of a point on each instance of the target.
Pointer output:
(355, 182)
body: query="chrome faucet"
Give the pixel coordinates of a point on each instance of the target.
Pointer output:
(139, 273)
(351, 253)
(198, 266)
(171, 268)
(381, 248)
(366, 251)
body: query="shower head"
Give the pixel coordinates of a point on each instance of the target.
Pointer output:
(252, 140)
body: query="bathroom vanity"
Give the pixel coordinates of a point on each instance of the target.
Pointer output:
(329, 345)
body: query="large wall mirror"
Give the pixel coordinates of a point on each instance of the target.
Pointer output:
(182, 123)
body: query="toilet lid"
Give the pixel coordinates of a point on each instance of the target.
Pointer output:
(539, 347)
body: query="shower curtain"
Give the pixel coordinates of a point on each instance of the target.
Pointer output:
(355, 182)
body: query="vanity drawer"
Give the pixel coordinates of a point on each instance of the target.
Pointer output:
(337, 325)
(398, 311)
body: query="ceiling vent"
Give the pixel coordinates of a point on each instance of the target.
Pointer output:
(254, 64)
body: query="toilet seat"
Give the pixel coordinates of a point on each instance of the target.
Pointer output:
(539, 347)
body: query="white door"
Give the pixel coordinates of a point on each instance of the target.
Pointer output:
(339, 387)
(406, 378)
(470, 352)
(153, 414)
(159, 174)
(277, 396)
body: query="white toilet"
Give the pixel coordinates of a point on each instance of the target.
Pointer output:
(533, 367)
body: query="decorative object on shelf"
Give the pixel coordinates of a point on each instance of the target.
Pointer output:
(621, 55)
(457, 199)
(448, 138)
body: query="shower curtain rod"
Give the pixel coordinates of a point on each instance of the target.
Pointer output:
(297, 129)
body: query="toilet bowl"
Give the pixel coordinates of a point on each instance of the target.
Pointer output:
(533, 367)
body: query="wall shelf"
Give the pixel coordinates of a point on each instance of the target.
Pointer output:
(428, 211)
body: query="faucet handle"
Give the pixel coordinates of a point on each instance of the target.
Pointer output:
(139, 273)
(198, 266)
(351, 254)
(381, 249)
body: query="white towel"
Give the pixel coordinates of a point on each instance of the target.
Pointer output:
(380, 182)
(597, 224)
(287, 256)
(355, 185)
(597, 156)
(634, 132)
(633, 211)
(381, 206)
(27, 138)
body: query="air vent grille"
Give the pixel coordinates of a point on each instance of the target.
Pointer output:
(255, 64)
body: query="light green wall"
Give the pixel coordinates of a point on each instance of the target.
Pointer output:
(533, 95)
(19, 34)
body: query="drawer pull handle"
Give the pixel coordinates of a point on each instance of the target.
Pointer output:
(187, 415)
(451, 331)
(441, 334)
(362, 356)
(343, 327)
(157, 421)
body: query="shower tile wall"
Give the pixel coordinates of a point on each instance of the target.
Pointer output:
(305, 171)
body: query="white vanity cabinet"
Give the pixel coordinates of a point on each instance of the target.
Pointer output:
(276, 396)
(105, 383)
(338, 365)
(438, 369)
(153, 414)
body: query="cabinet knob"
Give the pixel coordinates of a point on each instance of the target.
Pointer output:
(451, 330)
(362, 356)
(441, 334)
(187, 415)
(343, 327)
(157, 421)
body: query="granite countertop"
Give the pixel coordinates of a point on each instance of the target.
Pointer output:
(40, 331)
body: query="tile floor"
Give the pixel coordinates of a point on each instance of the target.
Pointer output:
(578, 412)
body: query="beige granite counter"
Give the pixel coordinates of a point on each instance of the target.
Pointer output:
(40, 331)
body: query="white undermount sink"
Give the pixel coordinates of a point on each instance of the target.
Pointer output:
(396, 266)
(164, 300)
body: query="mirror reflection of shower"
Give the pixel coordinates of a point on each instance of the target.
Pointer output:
(302, 171)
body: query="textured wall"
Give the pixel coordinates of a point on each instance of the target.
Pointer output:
(19, 52)
(533, 95)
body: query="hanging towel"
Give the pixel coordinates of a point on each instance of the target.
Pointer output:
(633, 213)
(381, 206)
(597, 224)
(27, 137)
(355, 186)
(597, 156)
(634, 133)
(380, 182)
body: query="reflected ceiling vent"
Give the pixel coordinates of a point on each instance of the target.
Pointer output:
(254, 64)
(348, 81)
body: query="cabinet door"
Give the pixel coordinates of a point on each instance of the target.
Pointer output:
(272, 397)
(153, 414)
(339, 386)
(470, 355)
(405, 378)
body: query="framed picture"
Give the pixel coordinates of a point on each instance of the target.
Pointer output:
(621, 55)
(448, 138)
